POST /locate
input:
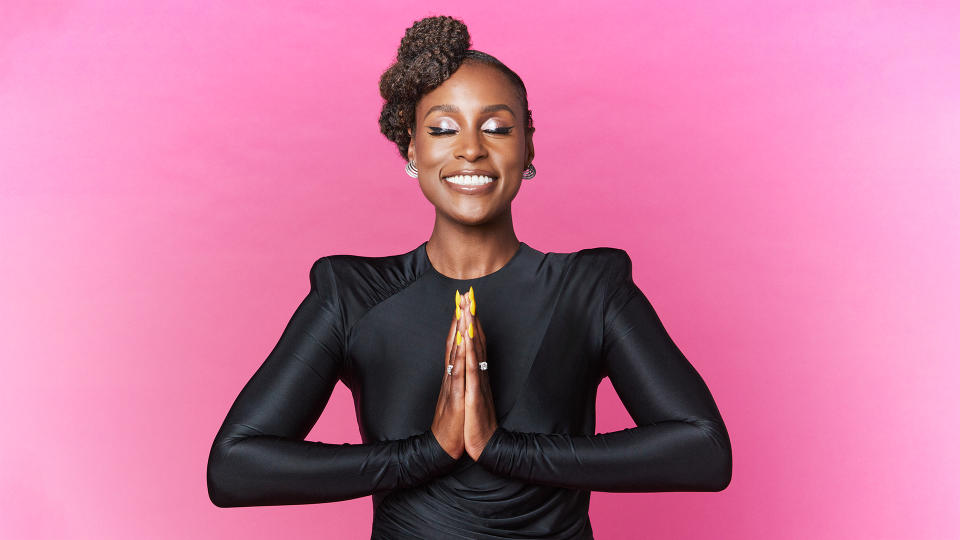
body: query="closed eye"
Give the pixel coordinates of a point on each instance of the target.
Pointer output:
(498, 131)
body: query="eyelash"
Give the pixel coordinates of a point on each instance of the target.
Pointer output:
(499, 131)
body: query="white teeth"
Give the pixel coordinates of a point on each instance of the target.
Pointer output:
(469, 180)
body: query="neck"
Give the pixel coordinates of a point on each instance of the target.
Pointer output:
(464, 251)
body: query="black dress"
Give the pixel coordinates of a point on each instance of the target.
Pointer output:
(556, 324)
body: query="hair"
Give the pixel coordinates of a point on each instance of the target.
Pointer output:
(430, 52)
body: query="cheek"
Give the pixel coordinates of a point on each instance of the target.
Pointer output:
(432, 153)
(513, 153)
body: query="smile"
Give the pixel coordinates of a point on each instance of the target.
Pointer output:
(471, 184)
(469, 180)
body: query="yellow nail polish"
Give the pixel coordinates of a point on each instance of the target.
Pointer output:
(471, 331)
(473, 302)
(457, 304)
(459, 338)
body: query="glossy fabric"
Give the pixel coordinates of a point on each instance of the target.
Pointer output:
(556, 324)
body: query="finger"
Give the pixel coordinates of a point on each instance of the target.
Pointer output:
(456, 349)
(471, 334)
(484, 374)
(452, 332)
(481, 343)
(450, 361)
(481, 340)
(451, 345)
(473, 392)
(472, 379)
(459, 360)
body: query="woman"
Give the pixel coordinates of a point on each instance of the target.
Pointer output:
(477, 416)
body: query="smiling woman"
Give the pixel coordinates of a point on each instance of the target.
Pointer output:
(477, 418)
(470, 130)
(462, 123)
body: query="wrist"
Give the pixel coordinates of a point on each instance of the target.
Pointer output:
(488, 456)
(421, 458)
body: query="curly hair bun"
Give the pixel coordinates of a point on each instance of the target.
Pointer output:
(442, 38)
(430, 51)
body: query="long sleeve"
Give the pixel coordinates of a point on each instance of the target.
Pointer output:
(259, 456)
(680, 442)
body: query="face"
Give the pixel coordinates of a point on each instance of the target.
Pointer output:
(472, 124)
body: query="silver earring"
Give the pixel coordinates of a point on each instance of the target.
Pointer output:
(412, 170)
(529, 172)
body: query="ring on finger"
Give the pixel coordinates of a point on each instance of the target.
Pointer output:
(483, 366)
(449, 368)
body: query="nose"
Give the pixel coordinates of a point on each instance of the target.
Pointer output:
(470, 146)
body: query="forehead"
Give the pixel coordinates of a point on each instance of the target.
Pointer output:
(472, 86)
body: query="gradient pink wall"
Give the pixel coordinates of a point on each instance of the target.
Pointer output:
(784, 175)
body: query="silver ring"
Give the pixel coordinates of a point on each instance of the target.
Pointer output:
(449, 368)
(483, 366)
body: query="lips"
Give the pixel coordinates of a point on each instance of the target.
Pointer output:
(471, 181)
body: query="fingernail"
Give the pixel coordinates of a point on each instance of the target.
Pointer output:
(457, 304)
(473, 302)
(471, 330)
(459, 338)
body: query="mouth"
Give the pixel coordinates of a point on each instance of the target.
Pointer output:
(470, 179)
(471, 182)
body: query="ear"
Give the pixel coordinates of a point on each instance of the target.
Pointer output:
(411, 148)
(530, 151)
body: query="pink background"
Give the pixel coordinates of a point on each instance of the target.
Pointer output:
(784, 176)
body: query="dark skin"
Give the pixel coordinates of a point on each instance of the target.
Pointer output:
(473, 234)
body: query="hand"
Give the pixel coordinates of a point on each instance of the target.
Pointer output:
(480, 416)
(448, 419)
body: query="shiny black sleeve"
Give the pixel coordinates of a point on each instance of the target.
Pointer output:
(680, 442)
(259, 456)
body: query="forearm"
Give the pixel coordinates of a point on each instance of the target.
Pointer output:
(259, 456)
(265, 470)
(675, 455)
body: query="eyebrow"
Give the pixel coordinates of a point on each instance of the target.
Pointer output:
(454, 108)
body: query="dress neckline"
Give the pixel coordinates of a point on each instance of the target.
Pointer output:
(505, 269)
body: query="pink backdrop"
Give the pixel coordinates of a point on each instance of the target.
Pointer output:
(783, 175)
